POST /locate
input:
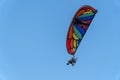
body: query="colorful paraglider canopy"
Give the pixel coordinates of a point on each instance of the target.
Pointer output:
(78, 27)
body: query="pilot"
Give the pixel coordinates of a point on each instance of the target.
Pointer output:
(72, 61)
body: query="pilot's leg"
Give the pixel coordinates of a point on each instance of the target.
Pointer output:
(68, 63)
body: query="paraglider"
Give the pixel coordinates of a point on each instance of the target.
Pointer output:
(78, 28)
(72, 61)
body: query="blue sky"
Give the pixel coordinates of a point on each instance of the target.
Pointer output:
(33, 38)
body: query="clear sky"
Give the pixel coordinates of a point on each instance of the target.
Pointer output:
(33, 41)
